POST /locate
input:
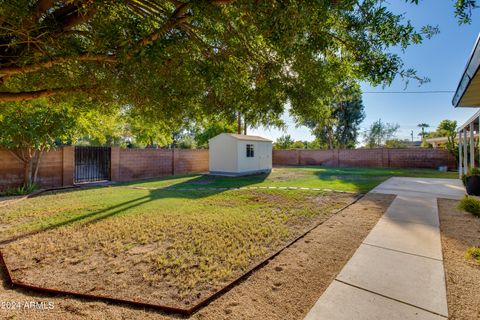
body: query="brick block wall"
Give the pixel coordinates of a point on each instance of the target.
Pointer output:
(144, 163)
(381, 158)
(150, 163)
(11, 170)
(50, 172)
(190, 161)
(57, 166)
(312, 157)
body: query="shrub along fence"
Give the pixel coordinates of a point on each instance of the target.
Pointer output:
(57, 167)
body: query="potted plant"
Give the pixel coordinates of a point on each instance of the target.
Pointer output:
(472, 182)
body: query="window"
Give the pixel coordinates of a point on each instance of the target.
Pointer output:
(249, 150)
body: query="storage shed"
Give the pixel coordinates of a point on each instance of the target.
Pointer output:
(238, 154)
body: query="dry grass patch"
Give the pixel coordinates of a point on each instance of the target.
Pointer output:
(167, 247)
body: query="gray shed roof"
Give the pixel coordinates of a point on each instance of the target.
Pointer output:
(246, 137)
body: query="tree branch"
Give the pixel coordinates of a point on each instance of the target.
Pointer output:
(178, 17)
(11, 71)
(41, 6)
(31, 95)
(18, 157)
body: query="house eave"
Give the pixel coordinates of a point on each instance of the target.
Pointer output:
(468, 89)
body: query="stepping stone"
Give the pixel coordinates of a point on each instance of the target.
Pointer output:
(411, 279)
(343, 302)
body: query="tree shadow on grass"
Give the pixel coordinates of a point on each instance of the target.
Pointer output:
(180, 190)
(199, 181)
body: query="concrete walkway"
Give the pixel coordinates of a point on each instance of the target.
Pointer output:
(397, 272)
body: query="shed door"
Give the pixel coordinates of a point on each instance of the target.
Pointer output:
(262, 156)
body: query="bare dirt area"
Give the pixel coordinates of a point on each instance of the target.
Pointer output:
(460, 230)
(286, 288)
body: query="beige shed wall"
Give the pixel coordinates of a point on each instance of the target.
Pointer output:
(222, 154)
(262, 159)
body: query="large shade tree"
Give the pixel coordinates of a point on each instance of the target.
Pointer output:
(218, 57)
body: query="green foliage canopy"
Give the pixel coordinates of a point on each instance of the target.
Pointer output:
(184, 58)
(29, 131)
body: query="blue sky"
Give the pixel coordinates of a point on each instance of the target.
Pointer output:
(442, 59)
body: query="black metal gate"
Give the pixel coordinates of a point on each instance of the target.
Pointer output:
(92, 164)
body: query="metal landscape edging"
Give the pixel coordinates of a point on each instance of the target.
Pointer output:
(170, 309)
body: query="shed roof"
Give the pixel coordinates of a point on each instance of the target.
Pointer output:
(245, 137)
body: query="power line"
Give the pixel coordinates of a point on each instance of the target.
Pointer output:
(411, 92)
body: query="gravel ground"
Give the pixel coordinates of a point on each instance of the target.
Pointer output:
(460, 230)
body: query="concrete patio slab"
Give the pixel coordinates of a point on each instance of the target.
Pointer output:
(408, 278)
(414, 238)
(422, 187)
(358, 304)
(414, 209)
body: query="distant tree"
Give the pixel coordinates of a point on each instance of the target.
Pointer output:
(397, 143)
(207, 129)
(423, 126)
(336, 122)
(283, 142)
(298, 145)
(101, 127)
(147, 130)
(28, 130)
(186, 142)
(315, 144)
(448, 129)
(379, 133)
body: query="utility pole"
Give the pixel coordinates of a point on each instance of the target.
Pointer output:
(412, 136)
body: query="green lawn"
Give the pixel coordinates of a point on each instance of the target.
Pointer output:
(160, 246)
(171, 246)
(63, 208)
(343, 179)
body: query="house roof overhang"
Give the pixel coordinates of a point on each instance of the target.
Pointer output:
(474, 120)
(468, 89)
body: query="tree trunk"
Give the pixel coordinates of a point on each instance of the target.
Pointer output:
(39, 155)
(244, 126)
(27, 180)
(239, 123)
